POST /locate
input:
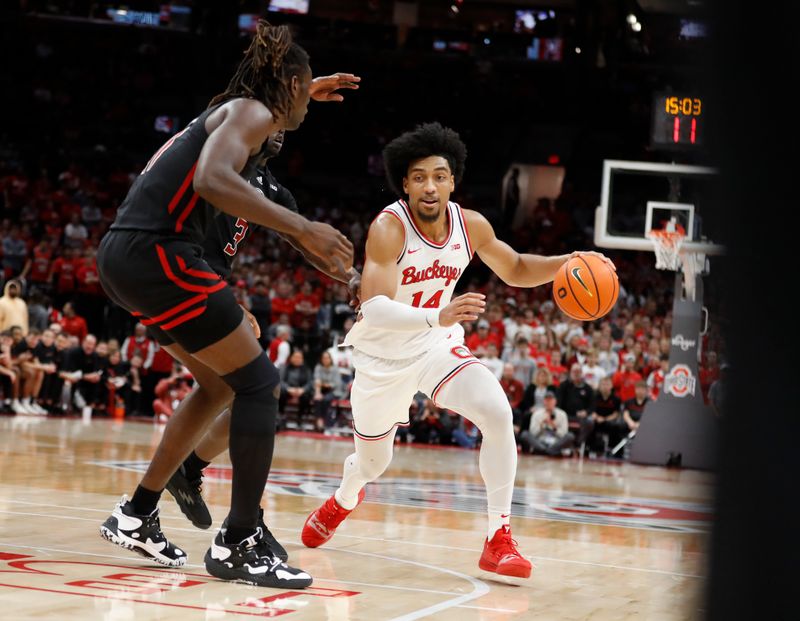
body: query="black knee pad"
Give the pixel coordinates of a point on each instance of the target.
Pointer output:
(256, 387)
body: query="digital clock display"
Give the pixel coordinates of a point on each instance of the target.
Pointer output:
(678, 120)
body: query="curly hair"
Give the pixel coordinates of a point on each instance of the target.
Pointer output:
(426, 140)
(267, 68)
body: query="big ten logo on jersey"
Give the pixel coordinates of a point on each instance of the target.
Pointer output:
(241, 230)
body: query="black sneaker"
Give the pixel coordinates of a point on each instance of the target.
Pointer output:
(252, 562)
(189, 498)
(269, 539)
(141, 534)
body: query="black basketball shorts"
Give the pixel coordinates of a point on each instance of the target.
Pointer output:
(165, 282)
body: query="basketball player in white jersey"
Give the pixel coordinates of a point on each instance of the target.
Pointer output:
(408, 337)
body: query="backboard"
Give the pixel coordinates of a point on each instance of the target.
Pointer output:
(639, 196)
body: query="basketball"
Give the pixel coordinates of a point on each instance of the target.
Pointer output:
(586, 288)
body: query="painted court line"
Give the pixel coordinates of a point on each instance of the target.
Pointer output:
(383, 540)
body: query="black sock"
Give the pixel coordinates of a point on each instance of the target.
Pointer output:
(237, 534)
(193, 466)
(145, 501)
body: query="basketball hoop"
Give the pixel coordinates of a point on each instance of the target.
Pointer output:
(667, 244)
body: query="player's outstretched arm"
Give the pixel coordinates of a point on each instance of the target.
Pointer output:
(323, 88)
(514, 268)
(237, 131)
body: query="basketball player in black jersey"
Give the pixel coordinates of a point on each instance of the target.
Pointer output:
(220, 251)
(151, 263)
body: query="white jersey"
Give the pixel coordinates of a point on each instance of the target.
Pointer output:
(427, 273)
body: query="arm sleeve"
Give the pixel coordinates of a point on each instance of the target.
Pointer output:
(382, 313)
(562, 423)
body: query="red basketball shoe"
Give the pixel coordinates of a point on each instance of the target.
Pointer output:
(500, 555)
(322, 523)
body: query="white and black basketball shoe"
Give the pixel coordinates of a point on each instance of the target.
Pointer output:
(141, 534)
(188, 494)
(252, 561)
(269, 539)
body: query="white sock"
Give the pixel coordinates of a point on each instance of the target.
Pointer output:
(366, 464)
(476, 394)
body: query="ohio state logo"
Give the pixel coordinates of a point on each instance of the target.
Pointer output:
(680, 382)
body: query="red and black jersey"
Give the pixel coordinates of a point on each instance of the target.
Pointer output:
(228, 233)
(162, 198)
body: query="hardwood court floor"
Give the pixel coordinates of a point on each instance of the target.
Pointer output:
(609, 541)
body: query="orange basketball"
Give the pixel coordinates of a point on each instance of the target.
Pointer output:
(585, 288)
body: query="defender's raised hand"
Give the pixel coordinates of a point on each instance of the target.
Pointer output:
(324, 88)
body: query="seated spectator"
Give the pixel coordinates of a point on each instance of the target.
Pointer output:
(432, 425)
(607, 357)
(75, 233)
(139, 343)
(606, 415)
(655, 381)
(576, 398)
(297, 383)
(37, 267)
(327, 388)
(491, 361)
(625, 380)
(465, 433)
(9, 378)
(53, 384)
(592, 371)
(632, 409)
(548, 430)
(33, 372)
(283, 300)
(13, 309)
(117, 376)
(513, 388)
(557, 368)
(72, 323)
(306, 305)
(64, 275)
(533, 398)
(38, 311)
(719, 391)
(520, 357)
(709, 372)
(280, 348)
(478, 343)
(82, 372)
(15, 252)
(169, 392)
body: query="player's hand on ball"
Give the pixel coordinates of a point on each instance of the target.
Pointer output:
(465, 307)
(599, 255)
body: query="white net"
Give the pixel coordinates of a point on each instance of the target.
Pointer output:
(667, 245)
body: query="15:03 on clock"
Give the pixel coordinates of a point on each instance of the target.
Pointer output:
(678, 120)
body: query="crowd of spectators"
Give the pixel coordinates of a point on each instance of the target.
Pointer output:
(65, 348)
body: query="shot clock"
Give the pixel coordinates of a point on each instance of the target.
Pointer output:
(678, 120)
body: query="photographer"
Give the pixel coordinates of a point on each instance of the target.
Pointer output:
(548, 432)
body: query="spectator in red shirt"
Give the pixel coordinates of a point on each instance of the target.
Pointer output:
(306, 305)
(512, 387)
(709, 373)
(64, 272)
(557, 367)
(139, 344)
(478, 342)
(494, 315)
(90, 301)
(655, 381)
(625, 380)
(37, 267)
(72, 323)
(279, 348)
(283, 301)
